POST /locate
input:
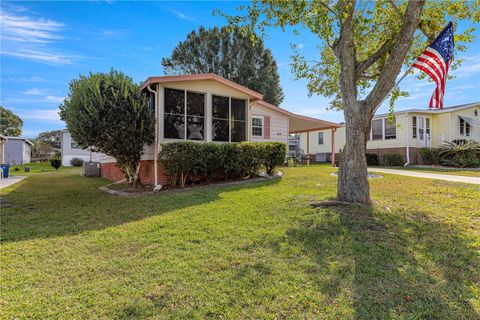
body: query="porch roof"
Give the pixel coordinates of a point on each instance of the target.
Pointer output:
(299, 123)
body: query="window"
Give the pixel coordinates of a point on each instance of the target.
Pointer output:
(421, 128)
(464, 127)
(377, 128)
(414, 127)
(257, 126)
(229, 119)
(390, 129)
(320, 138)
(74, 144)
(427, 127)
(184, 107)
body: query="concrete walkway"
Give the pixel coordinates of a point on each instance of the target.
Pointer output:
(437, 176)
(6, 182)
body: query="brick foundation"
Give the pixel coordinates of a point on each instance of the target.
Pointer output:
(147, 177)
(415, 157)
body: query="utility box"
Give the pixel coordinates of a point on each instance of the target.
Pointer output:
(91, 169)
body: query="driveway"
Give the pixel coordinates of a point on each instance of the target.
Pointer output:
(437, 176)
(6, 182)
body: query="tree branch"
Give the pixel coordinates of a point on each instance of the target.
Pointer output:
(392, 67)
(367, 63)
(421, 26)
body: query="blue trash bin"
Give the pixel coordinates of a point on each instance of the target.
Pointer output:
(5, 168)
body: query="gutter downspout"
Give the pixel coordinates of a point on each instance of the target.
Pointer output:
(157, 187)
(408, 142)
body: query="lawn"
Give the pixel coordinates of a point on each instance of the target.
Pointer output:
(450, 171)
(34, 168)
(257, 251)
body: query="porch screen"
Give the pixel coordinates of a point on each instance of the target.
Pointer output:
(229, 119)
(184, 107)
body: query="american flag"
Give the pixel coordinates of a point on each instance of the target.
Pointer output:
(435, 60)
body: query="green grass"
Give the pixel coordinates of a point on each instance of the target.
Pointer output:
(34, 168)
(452, 171)
(256, 251)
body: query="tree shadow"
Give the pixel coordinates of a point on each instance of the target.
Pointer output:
(72, 204)
(392, 266)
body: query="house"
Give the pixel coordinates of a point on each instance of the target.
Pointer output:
(18, 150)
(412, 129)
(3, 140)
(70, 149)
(209, 108)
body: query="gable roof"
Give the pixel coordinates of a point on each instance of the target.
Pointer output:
(433, 111)
(20, 138)
(202, 76)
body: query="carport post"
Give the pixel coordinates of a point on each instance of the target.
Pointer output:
(333, 146)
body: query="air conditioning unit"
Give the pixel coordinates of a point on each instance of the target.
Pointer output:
(91, 169)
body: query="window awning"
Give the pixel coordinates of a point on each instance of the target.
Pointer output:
(471, 121)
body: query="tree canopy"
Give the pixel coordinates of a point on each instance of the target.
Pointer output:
(10, 123)
(108, 113)
(363, 47)
(51, 138)
(230, 53)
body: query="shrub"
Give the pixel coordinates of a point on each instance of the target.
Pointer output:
(274, 155)
(76, 162)
(393, 160)
(190, 161)
(430, 156)
(372, 159)
(56, 162)
(461, 154)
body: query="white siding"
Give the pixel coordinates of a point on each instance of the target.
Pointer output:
(326, 147)
(278, 124)
(103, 158)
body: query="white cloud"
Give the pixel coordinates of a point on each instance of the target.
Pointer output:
(55, 99)
(28, 37)
(44, 115)
(182, 15)
(34, 92)
(300, 45)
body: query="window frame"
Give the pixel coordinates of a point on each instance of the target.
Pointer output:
(465, 129)
(262, 119)
(384, 122)
(323, 138)
(230, 118)
(185, 114)
(371, 129)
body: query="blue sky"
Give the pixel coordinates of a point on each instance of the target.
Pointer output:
(46, 44)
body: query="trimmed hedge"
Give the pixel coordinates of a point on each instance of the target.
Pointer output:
(430, 155)
(192, 162)
(393, 160)
(76, 162)
(372, 159)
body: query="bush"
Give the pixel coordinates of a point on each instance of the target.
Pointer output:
(76, 162)
(372, 159)
(55, 162)
(430, 156)
(393, 160)
(462, 154)
(190, 161)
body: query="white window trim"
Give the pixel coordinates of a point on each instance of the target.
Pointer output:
(323, 139)
(383, 130)
(230, 116)
(262, 119)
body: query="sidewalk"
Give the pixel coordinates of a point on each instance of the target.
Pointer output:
(6, 182)
(437, 176)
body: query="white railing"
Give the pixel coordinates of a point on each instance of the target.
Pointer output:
(438, 140)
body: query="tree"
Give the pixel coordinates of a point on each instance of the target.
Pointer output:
(109, 113)
(231, 54)
(51, 137)
(41, 151)
(56, 162)
(363, 46)
(10, 123)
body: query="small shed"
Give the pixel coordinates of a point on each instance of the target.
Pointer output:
(18, 151)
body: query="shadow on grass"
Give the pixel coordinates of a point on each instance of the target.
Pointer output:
(65, 203)
(392, 266)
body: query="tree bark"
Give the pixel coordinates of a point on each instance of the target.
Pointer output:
(352, 174)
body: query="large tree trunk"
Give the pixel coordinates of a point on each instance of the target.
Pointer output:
(353, 176)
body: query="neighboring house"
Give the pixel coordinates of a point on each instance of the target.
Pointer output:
(70, 149)
(413, 129)
(207, 107)
(3, 140)
(18, 150)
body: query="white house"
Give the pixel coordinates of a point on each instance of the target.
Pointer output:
(70, 149)
(18, 150)
(209, 108)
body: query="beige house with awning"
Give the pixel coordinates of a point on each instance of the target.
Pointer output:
(209, 108)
